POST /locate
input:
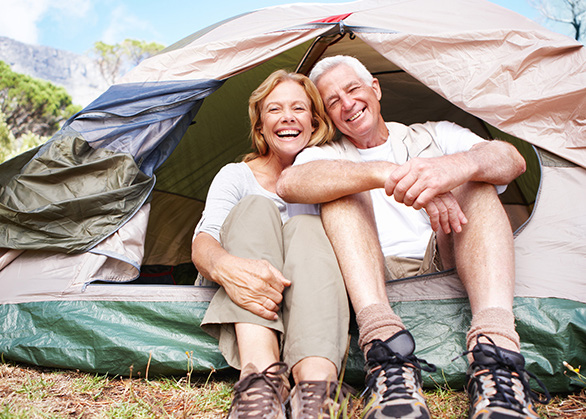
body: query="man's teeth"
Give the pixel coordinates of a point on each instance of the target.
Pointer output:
(356, 115)
(288, 133)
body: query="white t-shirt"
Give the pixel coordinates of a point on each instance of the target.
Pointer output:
(403, 231)
(232, 183)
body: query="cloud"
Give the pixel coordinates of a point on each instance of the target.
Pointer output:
(20, 18)
(124, 24)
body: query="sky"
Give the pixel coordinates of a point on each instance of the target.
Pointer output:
(75, 25)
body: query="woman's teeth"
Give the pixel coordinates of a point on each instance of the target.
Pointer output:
(288, 133)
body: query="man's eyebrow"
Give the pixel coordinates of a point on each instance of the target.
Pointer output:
(344, 87)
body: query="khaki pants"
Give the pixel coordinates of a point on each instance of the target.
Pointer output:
(314, 315)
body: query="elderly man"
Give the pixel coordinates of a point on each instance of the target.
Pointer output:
(406, 200)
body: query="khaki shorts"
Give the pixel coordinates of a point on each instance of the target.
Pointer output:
(400, 267)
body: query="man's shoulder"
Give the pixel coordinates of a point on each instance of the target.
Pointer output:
(340, 148)
(414, 140)
(414, 128)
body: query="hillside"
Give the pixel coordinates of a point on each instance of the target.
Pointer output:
(78, 74)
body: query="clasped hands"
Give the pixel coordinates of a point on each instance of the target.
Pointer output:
(427, 183)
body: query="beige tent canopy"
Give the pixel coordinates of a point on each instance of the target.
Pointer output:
(73, 250)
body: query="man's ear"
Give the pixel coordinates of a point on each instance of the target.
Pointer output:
(377, 89)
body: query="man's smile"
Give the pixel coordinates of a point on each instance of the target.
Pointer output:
(355, 116)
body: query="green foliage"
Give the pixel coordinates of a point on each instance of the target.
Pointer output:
(114, 60)
(32, 105)
(31, 110)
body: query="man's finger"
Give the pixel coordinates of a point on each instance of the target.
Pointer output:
(433, 213)
(444, 219)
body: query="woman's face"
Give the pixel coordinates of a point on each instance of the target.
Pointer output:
(286, 120)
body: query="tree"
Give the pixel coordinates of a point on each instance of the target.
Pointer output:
(115, 60)
(137, 51)
(31, 110)
(11, 147)
(109, 58)
(32, 105)
(570, 12)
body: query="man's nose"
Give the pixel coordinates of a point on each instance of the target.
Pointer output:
(347, 101)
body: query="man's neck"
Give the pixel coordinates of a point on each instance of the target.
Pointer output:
(376, 138)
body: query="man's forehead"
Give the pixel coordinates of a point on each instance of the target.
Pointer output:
(338, 80)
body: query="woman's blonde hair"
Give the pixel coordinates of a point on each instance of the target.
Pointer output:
(324, 128)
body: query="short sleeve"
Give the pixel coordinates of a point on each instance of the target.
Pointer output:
(223, 195)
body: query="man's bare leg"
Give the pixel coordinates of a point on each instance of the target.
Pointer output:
(484, 256)
(350, 226)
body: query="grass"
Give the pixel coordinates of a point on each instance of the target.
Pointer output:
(33, 392)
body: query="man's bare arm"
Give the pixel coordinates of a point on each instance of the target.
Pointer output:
(419, 180)
(322, 181)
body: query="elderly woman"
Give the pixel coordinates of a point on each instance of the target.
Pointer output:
(281, 292)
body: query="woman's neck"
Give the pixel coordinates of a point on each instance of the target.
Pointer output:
(267, 169)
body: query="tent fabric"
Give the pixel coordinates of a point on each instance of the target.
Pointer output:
(170, 338)
(97, 171)
(69, 197)
(146, 120)
(180, 116)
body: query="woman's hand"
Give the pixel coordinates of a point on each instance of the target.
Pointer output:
(254, 285)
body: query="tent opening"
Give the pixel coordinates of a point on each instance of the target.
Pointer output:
(219, 135)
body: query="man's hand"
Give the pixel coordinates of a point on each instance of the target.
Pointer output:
(254, 285)
(427, 183)
(445, 214)
(420, 180)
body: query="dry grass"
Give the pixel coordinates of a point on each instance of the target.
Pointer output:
(32, 392)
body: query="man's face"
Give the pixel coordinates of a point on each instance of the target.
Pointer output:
(352, 104)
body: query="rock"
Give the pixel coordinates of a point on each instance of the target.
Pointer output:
(78, 74)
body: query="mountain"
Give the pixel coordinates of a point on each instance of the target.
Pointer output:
(78, 74)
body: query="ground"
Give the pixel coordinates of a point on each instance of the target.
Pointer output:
(33, 392)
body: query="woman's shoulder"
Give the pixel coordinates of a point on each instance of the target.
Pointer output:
(234, 170)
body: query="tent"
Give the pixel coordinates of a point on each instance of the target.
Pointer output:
(96, 224)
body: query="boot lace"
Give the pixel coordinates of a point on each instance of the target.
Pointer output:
(503, 381)
(399, 373)
(255, 394)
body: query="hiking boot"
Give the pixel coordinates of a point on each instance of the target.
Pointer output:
(393, 379)
(261, 394)
(498, 384)
(318, 399)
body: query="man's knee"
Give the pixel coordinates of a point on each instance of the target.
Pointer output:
(476, 196)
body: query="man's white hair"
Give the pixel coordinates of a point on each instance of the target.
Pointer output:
(328, 63)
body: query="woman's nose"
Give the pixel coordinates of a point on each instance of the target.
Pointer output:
(287, 116)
